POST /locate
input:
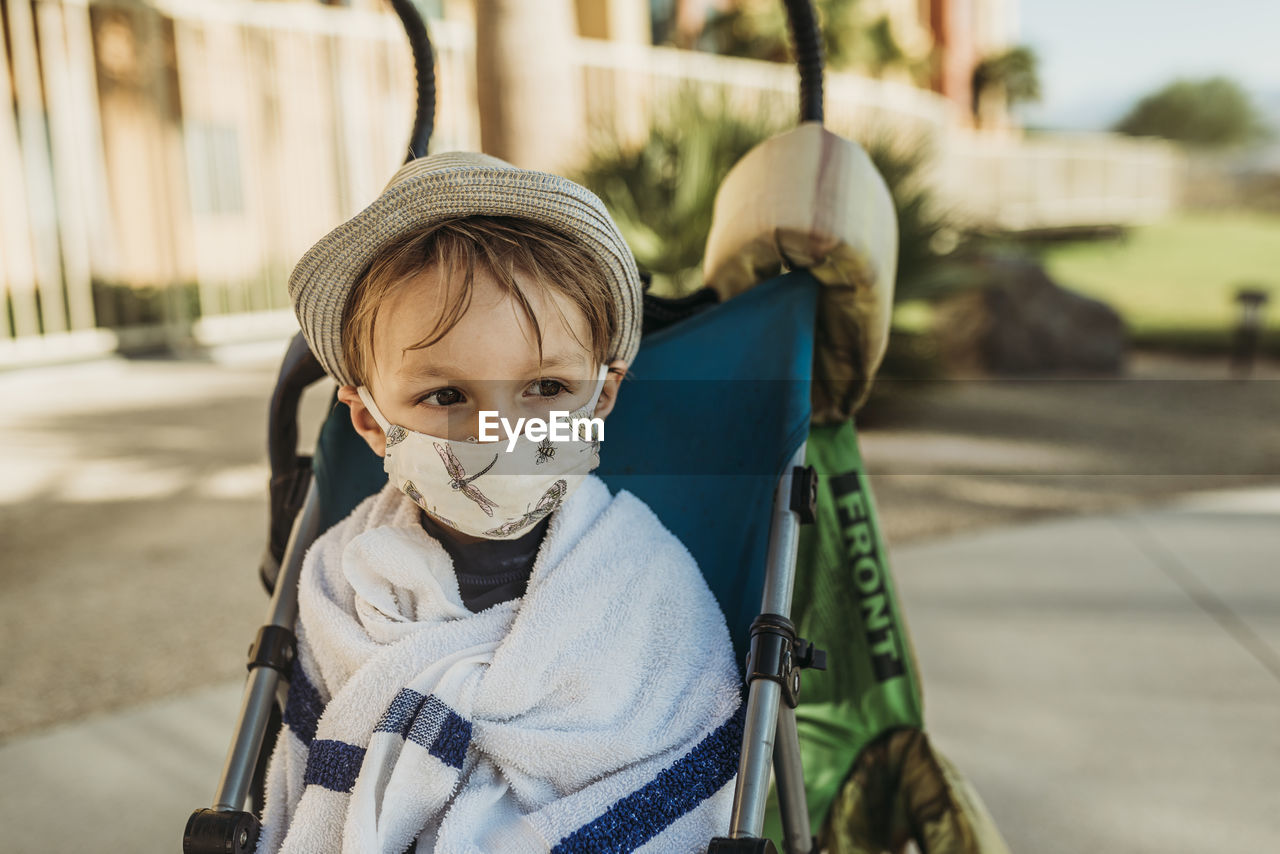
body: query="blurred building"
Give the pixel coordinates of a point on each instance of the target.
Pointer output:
(947, 37)
(163, 163)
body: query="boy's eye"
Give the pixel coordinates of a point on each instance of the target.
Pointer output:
(442, 397)
(547, 388)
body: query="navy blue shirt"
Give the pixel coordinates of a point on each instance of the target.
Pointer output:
(489, 571)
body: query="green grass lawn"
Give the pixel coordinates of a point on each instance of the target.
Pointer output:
(1175, 282)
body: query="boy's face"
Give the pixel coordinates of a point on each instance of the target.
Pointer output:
(487, 361)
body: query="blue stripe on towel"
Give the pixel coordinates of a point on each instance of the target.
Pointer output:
(333, 765)
(429, 722)
(336, 764)
(452, 738)
(302, 706)
(400, 714)
(646, 812)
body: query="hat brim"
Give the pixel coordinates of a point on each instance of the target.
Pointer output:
(450, 186)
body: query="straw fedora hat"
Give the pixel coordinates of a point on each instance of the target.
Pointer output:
(450, 185)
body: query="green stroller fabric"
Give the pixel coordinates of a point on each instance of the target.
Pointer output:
(873, 779)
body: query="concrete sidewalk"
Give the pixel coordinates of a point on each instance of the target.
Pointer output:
(1109, 683)
(120, 782)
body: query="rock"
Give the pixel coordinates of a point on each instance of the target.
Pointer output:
(1022, 322)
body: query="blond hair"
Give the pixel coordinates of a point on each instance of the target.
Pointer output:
(457, 248)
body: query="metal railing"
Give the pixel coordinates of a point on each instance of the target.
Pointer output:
(1059, 181)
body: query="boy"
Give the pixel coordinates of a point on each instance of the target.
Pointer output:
(495, 655)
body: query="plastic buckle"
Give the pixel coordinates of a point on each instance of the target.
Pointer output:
(771, 657)
(808, 656)
(778, 655)
(274, 647)
(804, 493)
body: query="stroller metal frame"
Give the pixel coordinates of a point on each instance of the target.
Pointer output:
(776, 656)
(262, 688)
(770, 729)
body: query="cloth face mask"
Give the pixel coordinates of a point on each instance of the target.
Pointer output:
(482, 488)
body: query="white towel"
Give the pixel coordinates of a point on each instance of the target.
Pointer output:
(600, 712)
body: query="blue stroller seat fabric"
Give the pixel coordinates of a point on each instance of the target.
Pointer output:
(715, 407)
(713, 410)
(718, 405)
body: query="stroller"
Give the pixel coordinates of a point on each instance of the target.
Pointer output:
(736, 378)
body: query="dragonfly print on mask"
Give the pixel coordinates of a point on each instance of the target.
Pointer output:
(549, 501)
(396, 434)
(459, 480)
(413, 493)
(416, 496)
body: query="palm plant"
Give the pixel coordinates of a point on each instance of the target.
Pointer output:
(929, 240)
(661, 192)
(1016, 71)
(855, 36)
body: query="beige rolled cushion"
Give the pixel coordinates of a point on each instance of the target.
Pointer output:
(811, 199)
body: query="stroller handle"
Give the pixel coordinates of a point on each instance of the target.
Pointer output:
(425, 72)
(802, 22)
(806, 40)
(298, 370)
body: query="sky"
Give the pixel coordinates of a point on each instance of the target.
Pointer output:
(1097, 57)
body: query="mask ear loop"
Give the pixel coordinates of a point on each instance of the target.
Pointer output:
(367, 399)
(595, 398)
